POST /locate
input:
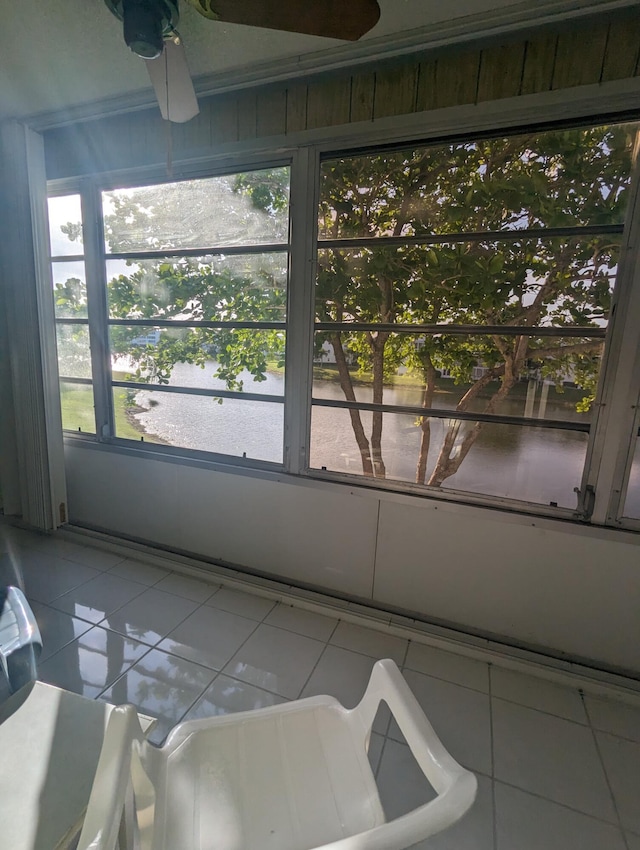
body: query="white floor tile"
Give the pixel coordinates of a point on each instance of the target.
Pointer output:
(341, 674)
(369, 642)
(474, 831)
(401, 784)
(538, 693)
(99, 559)
(633, 841)
(92, 662)
(209, 637)
(139, 571)
(150, 616)
(53, 545)
(550, 756)
(239, 602)
(226, 696)
(46, 578)
(618, 718)
(622, 763)
(303, 622)
(97, 598)
(345, 675)
(56, 628)
(449, 666)
(525, 822)
(190, 588)
(276, 660)
(460, 717)
(161, 686)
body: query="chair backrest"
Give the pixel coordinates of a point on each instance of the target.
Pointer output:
(122, 804)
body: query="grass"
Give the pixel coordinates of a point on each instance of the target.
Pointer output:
(78, 415)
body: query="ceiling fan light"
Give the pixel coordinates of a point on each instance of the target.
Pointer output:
(143, 26)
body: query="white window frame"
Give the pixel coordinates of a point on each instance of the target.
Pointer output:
(593, 104)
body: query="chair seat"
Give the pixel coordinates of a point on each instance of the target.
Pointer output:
(289, 777)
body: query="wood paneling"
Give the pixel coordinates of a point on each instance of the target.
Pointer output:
(579, 57)
(223, 119)
(328, 102)
(500, 72)
(247, 114)
(539, 62)
(395, 92)
(271, 109)
(296, 107)
(457, 79)
(622, 50)
(362, 92)
(426, 92)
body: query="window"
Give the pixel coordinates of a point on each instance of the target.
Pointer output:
(450, 343)
(196, 298)
(70, 304)
(632, 497)
(462, 301)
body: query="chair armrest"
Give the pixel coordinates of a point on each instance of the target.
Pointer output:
(20, 639)
(456, 787)
(421, 823)
(111, 781)
(387, 684)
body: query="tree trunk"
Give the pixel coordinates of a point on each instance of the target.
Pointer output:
(430, 375)
(349, 394)
(446, 465)
(378, 343)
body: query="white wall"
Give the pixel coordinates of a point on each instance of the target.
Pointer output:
(545, 583)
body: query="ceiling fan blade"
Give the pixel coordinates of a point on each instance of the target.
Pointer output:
(171, 80)
(345, 19)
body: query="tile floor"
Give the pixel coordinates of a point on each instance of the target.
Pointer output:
(557, 769)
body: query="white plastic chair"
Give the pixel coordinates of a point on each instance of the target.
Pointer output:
(289, 777)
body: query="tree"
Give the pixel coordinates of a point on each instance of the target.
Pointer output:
(555, 179)
(245, 288)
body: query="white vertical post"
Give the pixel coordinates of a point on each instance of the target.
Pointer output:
(97, 309)
(614, 437)
(31, 343)
(300, 314)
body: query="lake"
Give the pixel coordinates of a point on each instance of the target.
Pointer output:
(533, 464)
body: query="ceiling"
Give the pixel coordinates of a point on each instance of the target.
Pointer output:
(57, 54)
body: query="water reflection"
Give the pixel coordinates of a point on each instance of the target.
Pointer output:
(163, 686)
(532, 464)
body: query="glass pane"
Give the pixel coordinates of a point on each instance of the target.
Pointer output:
(238, 359)
(248, 287)
(235, 209)
(74, 355)
(554, 377)
(560, 281)
(512, 461)
(556, 178)
(69, 290)
(76, 401)
(632, 502)
(125, 412)
(234, 427)
(65, 226)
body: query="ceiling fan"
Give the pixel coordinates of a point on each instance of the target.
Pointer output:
(150, 31)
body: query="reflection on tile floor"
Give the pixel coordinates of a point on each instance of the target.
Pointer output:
(557, 770)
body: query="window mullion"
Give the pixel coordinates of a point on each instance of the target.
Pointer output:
(620, 377)
(299, 365)
(97, 311)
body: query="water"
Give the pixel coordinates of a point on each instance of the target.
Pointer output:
(533, 464)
